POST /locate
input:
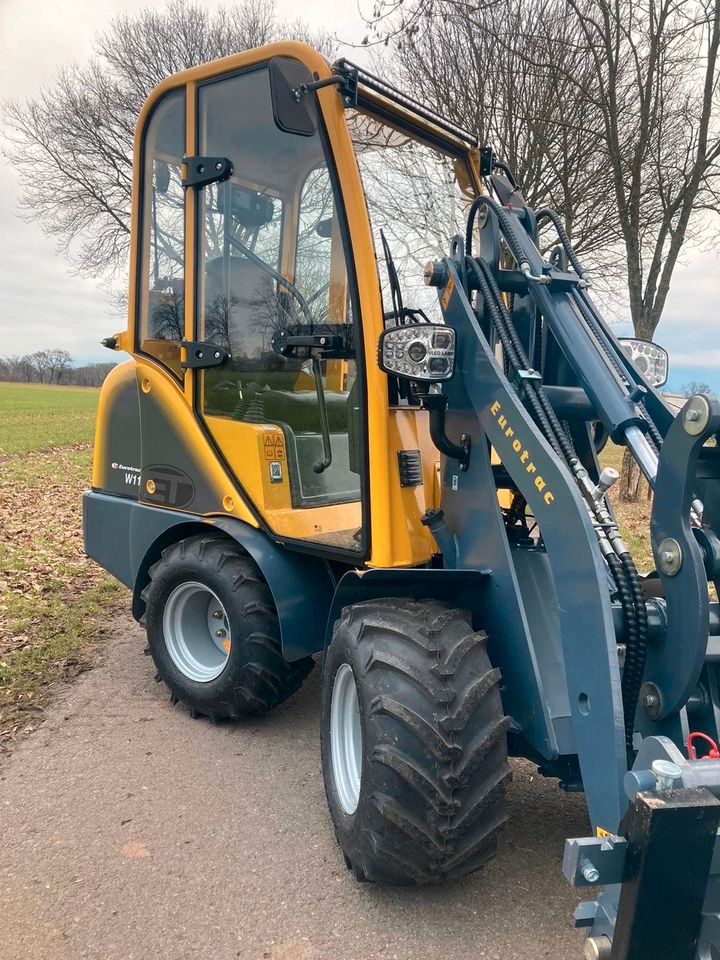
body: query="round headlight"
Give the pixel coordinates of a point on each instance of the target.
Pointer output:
(417, 351)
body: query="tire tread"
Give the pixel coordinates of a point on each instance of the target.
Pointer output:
(436, 768)
(265, 679)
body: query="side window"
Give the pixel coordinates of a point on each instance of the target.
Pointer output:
(241, 227)
(272, 271)
(417, 197)
(314, 241)
(162, 268)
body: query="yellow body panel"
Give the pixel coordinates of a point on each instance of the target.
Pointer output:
(397, 537)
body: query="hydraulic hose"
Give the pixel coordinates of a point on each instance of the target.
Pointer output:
(617, 555)
(636, 655)
(547, 214)
(504, 220)
(514, 358)
(557, 435)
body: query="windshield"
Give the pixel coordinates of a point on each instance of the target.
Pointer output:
(417, 197)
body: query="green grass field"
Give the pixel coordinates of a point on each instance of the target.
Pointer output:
(36, 417)
(51, 596)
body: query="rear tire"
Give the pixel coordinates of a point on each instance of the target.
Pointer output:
(421, 795)
(213, 631)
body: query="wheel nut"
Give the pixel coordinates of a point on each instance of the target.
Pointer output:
(220, 633)
(217, 614)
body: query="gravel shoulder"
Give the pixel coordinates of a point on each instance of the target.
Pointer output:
(131, 831)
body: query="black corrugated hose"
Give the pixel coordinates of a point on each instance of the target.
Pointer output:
(622, 567)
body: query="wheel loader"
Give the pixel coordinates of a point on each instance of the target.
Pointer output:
(360, 427)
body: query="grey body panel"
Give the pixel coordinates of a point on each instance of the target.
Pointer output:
(169, 463)
(484, 406)
(126, 538)
(120, 472)
(458, 587)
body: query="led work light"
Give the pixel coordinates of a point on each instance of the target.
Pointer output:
(421, 351)
(650, 359)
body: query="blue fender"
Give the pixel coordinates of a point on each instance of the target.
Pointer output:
(461, 588)
(126, 538)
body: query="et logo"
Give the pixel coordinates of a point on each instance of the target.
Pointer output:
(168, 486)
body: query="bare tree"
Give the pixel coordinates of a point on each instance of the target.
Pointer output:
(692, 387)
(605, 110)
(58, 361)
(494, 70)
(168, 313)
(72, 144)
(12, 367)
(41, 365)
(27, 371)
(656, 80)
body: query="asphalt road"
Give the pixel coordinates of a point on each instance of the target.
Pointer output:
(132, 832)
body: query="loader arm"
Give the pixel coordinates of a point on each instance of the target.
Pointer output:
(621, 662)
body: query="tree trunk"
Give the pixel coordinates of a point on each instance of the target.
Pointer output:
(633, 485)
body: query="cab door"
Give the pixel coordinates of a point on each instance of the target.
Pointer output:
(272, 282)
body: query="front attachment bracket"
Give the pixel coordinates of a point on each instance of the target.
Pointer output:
(671, 837)
(674, 666)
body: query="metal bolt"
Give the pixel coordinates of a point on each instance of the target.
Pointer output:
(217, 614)
(597, 948)
(220, 633)
(697, 415)
(589, 871)
(651, 700)
(670, 557)
(666, 773)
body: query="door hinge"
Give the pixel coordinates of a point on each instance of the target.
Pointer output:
(204, 170)
(200, 355)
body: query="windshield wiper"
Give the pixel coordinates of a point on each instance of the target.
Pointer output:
(393, 279)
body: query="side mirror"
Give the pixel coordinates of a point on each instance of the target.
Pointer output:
(324, 228)
(418, 351)
(291, 115)
(162, 176)
(651, 360)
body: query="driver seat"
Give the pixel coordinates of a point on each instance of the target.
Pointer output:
(251, 298)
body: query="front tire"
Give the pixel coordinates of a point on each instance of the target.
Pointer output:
(413, 739)
(213, 631)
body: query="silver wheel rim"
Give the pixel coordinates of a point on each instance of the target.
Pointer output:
(346, 739)
(197, 632)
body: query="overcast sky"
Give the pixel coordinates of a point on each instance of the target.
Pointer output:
(42, 304)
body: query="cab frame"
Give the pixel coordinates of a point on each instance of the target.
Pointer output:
(394, 535)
